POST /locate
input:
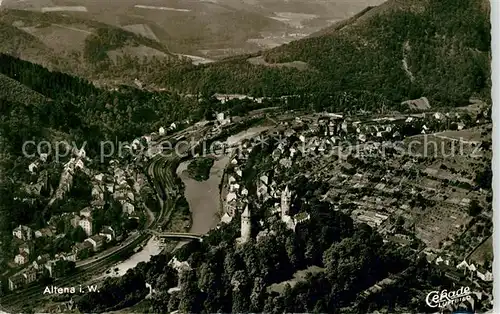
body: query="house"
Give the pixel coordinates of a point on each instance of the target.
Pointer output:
(234, 187)
(97, 192)
(178, 265)
(486, 276)
(75, 221)
(86, 224)
(226, 218)
(40, 262)
(438, 116)
(108, 233)
(79, 164)
(97, 241)
(86, 212)
(80, 247)
(128, 208)
(32, 167)
(264, 179)
(231, 197)
(21, 258)
(22, 232)
(68, 257)
(161, 131)
(261, 190)
(99, 177)
(16, 281)
(131, 196)
(44, 232)
(463, 265)
(29, 275)
(43, 157)
(49, 266)
(25, 247)
(98, 203)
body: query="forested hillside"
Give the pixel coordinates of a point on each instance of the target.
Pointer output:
(12, 90)
(436, 48)
(77, 45)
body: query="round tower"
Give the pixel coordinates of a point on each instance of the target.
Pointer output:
(286, 197)
(246, 226)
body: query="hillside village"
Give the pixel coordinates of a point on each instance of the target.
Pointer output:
(114, 197)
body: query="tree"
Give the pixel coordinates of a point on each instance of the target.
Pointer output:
(78, 234)
(63, 268)
(474, 208)
(484, 177)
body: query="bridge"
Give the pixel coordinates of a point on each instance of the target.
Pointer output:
(176, 235)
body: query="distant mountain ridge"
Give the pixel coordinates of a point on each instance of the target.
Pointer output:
(71, 44)
(396, 51)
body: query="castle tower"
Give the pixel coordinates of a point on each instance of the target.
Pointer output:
(246, 226)
(286, 197)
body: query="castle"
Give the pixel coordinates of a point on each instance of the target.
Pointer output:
(291, 222)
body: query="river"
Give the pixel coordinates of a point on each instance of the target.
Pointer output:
(203, 199)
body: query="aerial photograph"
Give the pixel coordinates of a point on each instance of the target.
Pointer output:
(246, 156)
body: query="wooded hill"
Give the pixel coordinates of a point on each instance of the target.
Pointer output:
(77, 45)
(434, 48)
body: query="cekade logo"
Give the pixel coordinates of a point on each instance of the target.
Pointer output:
(444, 298)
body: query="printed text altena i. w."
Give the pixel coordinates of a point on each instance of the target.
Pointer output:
(71, 290)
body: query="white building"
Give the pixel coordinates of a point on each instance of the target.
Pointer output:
(128, 208)
(22, 232)
(97, 241)
(32, 167)
(86, 212)
(21, 258)
(86, 224)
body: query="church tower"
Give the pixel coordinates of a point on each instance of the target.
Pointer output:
(286, 197)
(246, 226)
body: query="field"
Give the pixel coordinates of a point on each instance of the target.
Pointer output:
(140, 51)
(294, 64)
(141, 29)
(483, 252)
(61, 37)
(64, 8)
